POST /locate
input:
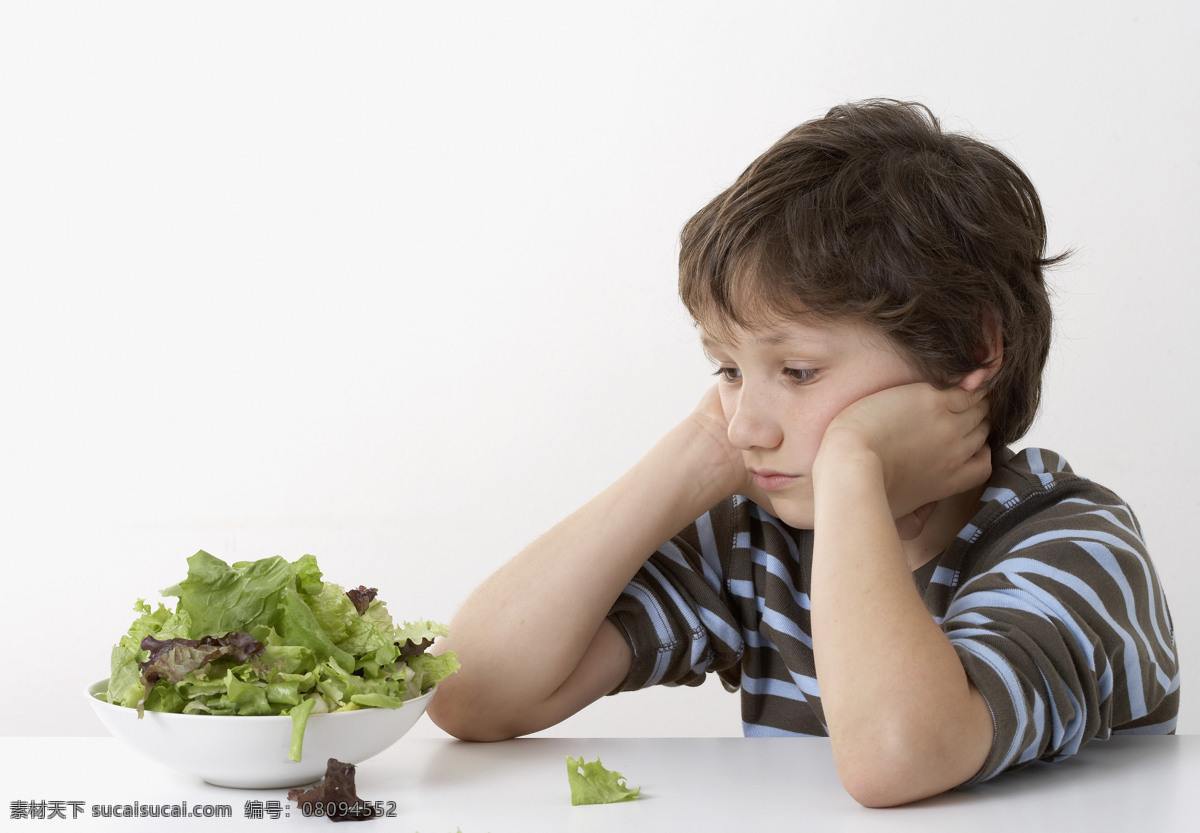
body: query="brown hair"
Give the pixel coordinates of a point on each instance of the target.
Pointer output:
(874, 213)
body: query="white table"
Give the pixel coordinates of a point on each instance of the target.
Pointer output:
(692, 784)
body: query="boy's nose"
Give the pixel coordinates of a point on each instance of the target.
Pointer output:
(753, 424)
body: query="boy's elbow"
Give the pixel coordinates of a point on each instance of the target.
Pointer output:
(872, 777)
(874, 784)
(911, 754)
(456, 717)
(898, 770)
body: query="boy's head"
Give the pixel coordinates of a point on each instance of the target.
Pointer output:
(873, 214)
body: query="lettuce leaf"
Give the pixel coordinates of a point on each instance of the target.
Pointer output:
(220, 598)
(125, 680)
(332, 611)
(370, 630)
(591, 783)
(299, 724)
(336, 795)
(298, 626)
(173, 659)
(427, 670)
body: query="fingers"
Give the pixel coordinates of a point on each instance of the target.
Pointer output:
(975, 408)
(977, 437)
(976, 470)
(911, 525)
(961, 401)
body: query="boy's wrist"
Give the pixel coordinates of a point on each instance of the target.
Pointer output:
(842, 454)
(847, 474)
(702, 462)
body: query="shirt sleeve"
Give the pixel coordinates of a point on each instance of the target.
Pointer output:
(674, 616)
(1066, 633)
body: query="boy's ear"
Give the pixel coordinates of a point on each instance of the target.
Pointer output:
(989, 353)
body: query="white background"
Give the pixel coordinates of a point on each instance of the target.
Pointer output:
(393, 283)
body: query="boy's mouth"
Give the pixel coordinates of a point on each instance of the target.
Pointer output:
(772, 481)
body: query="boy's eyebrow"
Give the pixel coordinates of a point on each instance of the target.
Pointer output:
(767, 339)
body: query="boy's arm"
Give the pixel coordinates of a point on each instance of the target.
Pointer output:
(904, 719)
(533, 640)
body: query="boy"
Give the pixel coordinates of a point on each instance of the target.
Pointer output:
(848, 539)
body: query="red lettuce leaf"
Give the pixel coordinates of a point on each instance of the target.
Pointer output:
(412, 649)
(171, 659)
(335, 796)
(362, 597)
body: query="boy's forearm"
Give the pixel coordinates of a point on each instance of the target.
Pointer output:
(904, 720)
(522, 633)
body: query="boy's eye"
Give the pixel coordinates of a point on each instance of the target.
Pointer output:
(800, 374)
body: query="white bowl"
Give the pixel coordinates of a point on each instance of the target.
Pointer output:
(252, 752)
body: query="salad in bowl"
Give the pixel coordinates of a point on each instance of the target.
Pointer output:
(267, 638)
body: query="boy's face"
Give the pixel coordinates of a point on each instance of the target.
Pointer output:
(780, 388)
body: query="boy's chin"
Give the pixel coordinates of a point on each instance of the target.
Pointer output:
(795, 514)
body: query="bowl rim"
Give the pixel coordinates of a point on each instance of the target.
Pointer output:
(99, 686)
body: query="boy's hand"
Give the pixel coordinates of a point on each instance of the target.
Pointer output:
(929, 443)
(723, 460)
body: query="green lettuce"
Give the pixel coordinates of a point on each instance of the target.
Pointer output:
(220, 598)
(271, 637)
(593, 784)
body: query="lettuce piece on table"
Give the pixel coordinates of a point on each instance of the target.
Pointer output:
(591, 783)
(336, 794)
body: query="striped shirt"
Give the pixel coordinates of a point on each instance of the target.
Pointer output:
(1048, 596)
